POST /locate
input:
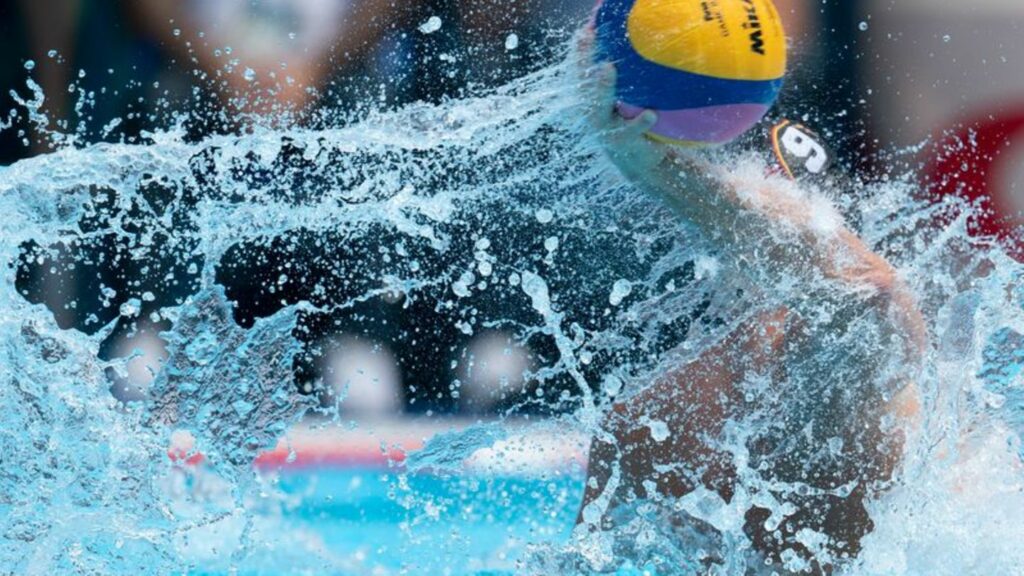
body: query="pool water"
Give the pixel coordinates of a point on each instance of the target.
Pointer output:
(467, 524)
(379, 521)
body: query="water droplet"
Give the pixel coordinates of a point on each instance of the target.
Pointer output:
(947, 38)
(620, 290)
(433, 24)
(659, 430)
(545, 216)
(863, 26)
(512, 41)
(249, 74)
(835, 445)
(30, 64)
(176, 32)
(131, 308)
(612, 385)
(52, 53)
(461, 287)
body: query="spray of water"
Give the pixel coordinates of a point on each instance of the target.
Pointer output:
(498, 212)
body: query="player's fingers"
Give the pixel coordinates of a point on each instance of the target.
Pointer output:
(599, 82)
(622, 132)
(599, 94)
(642, 124)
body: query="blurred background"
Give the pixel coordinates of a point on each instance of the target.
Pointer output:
(881, 80)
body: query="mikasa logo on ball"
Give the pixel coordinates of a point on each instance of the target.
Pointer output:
(753, 23)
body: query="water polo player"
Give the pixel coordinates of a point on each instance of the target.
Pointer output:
(794, 419)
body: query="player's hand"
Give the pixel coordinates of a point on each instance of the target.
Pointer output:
(624, 141)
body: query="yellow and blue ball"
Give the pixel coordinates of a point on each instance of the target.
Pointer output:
(711, 69)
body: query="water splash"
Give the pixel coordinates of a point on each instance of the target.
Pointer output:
(498, 211)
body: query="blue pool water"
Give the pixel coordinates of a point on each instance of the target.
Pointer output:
(428, 523)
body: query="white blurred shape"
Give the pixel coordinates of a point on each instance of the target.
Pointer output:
(531, 451)
(144, 355)
(273, 29)
(493, 368)
(364, 377)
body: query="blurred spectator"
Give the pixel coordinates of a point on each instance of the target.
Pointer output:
(361, 378)
(492, 370)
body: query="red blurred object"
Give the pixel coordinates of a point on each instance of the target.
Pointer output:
(971, 163)
(186, 458)
(339, 457)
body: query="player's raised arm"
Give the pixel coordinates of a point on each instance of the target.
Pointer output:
(698, 75)
(770, 229)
